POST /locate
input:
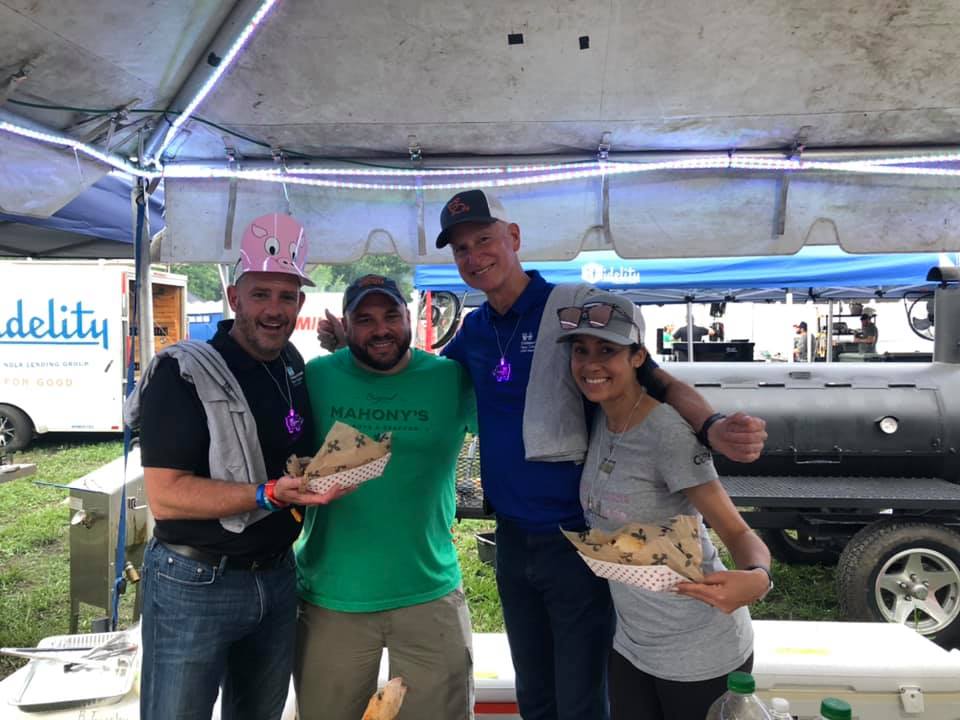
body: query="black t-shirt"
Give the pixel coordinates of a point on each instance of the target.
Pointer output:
(698, 332)
(174, 434)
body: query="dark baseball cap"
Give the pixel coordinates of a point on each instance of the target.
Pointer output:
(469, 206)
(363, 286)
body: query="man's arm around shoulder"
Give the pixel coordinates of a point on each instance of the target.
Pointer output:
(739, 437)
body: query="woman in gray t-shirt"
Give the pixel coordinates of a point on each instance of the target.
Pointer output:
(671, 651)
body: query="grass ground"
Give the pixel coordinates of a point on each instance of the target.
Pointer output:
(34, 552)
(35, 573)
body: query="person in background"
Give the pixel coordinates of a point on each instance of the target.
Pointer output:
(667, 334)
(699, 333)
(217, 422)
(671, 651)
(800, 345)
(868, 334)
(379, 568)
(533, 437)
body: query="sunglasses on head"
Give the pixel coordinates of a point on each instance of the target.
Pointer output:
(597, 315)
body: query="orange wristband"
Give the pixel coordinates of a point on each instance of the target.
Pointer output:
(270, 491)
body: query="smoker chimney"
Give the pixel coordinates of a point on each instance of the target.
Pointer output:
(946, 315)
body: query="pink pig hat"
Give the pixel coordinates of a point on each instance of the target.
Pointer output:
(274, 243)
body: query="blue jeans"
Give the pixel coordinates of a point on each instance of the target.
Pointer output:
(559, 620)
(204, 627)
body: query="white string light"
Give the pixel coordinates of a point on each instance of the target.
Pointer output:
(499, 176)
(217, 73)
(113, 161)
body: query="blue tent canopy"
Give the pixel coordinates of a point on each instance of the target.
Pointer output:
(816, 271)
(98, 223)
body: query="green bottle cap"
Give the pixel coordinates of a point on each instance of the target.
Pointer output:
(741, 682)
(835, 709)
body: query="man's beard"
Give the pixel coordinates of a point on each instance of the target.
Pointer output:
(361, 354)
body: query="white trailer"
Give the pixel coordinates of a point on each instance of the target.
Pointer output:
(63, 343)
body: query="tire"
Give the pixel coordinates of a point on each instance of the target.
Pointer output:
(792, 547)
(903, 571)
(16, 430)
(445, 316)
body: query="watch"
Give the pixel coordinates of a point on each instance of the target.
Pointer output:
(769, 578)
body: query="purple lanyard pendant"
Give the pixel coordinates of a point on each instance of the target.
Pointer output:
(293, 422)
(501, 373)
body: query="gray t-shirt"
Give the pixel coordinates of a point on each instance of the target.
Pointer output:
(661, 633)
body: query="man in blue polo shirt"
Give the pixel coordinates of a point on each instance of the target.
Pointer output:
(558, 615)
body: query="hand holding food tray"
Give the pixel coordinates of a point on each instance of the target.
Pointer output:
(346, 459)
(652, 556)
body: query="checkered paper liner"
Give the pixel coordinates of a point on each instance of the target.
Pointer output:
(349, 478)
(656, 578)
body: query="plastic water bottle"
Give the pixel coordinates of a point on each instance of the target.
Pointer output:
(834, 709)
(739, 701)
(780, 709)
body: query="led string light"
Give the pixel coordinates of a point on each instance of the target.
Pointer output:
(215, 76)
(113, 161)
(498, 176)
(871, 168)
(909, 159)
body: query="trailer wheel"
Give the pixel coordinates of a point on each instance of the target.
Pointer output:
(794, 547)
(16, 430)
(905, 572)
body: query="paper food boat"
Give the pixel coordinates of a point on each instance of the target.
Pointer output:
(656, 578)
(349, 478)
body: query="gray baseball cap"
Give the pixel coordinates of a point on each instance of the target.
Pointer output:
(624, 326)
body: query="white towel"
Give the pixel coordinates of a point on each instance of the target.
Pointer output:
(554, 426)
(235, 454)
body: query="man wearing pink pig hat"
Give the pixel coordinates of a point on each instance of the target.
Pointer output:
(217, 422)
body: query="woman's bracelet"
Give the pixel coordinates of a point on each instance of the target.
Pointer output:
(769, 578)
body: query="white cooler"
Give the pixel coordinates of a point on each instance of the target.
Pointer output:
(885, 671)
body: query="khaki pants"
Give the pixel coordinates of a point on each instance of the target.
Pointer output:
(338, 657)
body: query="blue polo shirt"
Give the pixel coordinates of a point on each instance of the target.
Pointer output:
(538, 496)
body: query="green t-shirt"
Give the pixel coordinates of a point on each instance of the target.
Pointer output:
(388, 544)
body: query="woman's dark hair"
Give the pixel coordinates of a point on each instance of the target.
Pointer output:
(646, 377)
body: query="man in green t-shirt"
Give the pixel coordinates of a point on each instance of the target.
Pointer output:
(378, 568)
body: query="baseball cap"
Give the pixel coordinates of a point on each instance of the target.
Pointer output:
(801, 324)
(274, 243)
(625, 327)
(469, 206)
(363, 286)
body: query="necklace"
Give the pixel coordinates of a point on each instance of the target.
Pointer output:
(503, 369)
(607, 465)
(293, 421)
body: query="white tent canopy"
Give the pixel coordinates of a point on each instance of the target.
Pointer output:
(502, 82)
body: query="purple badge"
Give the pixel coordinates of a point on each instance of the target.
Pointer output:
(501, 373)
(293, 422)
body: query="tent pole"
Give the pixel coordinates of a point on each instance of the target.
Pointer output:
(223, 272)
(829, 340)
(144, 283)
(227, 34)
(788, 301)
(689, 331)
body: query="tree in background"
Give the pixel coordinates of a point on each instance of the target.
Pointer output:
(203, 282)
(336, 278)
